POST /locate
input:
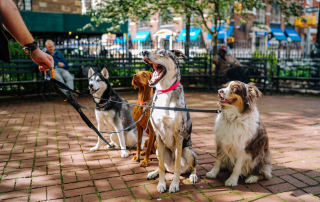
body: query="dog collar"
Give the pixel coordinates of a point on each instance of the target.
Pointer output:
(141, 102)
(101, 104)
(169, 89)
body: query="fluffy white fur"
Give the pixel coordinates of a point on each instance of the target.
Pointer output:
(234, 129)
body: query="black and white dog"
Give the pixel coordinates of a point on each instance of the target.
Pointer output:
(172, 128)
(116, 116)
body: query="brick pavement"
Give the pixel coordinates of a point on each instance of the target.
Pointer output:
(44, 156)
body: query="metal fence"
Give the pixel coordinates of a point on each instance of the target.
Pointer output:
(95, 47)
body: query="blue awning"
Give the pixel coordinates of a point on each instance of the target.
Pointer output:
(294, 36)
(118, 40)
(221, 33)
(194, 33)
(141, 36)
(278, 34)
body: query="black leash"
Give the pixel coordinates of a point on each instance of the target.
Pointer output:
(77, 107)
(64, 86)
(55, 85)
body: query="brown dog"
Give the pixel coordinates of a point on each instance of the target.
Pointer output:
(145, 94)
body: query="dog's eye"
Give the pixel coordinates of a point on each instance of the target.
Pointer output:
(144, 74)
(99, 80)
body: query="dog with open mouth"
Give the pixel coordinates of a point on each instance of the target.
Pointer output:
(116, 116)
(241, 140)
(172, 128)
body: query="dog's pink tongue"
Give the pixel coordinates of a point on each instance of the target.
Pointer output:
(226, 101)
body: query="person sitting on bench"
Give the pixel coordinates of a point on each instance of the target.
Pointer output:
(229, 65)
(60, 67)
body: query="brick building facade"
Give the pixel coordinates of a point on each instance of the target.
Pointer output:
(270, 18)
(52, 6)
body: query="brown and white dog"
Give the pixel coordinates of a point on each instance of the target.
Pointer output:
(140, 80)
(241, 139)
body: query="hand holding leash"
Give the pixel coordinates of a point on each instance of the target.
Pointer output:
(52, 73)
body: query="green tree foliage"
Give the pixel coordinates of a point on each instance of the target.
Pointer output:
(203, 12)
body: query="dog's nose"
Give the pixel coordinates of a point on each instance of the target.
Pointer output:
(90, 85)
(220, 91)
(145, 53)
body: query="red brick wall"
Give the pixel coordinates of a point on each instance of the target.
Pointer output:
(57, 6)
(154, 24)
(268, 16)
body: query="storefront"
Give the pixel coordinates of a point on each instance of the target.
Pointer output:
(165, 38)
(143, 40)
(259, 37)
(222, 33)
(195, 37)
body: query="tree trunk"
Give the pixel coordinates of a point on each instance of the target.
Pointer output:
(187, 42)
(214, 34)
(318, 34)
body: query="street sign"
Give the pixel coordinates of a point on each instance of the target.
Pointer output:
(310, 10)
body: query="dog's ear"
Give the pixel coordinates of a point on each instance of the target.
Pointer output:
(179, 54)
(253, 93)
(90, 73)
(105, 73)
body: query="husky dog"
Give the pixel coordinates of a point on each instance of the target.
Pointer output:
(172, 128)
(116, 115)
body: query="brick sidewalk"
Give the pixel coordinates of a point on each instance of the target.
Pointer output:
(45, 155)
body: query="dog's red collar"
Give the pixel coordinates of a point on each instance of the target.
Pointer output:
(141, 102)
(169, 89)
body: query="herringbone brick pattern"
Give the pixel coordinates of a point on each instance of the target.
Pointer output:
(45, 156)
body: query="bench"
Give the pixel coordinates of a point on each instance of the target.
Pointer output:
(120, 70)
(295, 73)
(250, 65)
(196, 71)
(19, 75)
(76, 66)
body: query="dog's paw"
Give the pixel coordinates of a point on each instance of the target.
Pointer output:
(174, 187)
(144, 163)
(94, 148)
(161, 188)
(143, 153)
(211, 174)
(251, 179)
(152, 175)
(231, 182)
(124, 154)
(193, 178)
(135, 158)
(112, 144)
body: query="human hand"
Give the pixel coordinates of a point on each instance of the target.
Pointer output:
(44, 60)
(60, 64)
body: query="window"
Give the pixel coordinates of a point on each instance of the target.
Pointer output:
(291, 20)
(143, 23)
(275, 13)
(168, 23)
(25, 5)
(260, 15)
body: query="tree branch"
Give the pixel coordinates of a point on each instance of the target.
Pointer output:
(204, 22)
